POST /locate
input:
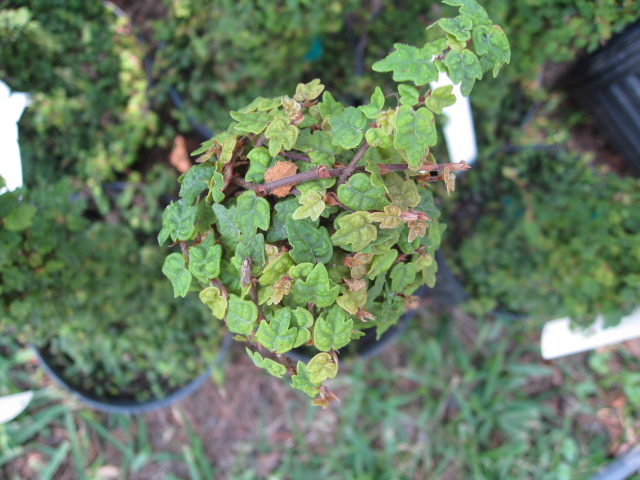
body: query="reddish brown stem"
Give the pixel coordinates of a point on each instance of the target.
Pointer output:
(298, 157)
(254, 298)
(352, 164)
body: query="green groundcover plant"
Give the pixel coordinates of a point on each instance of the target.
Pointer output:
(89, 292)
(544, 234)
(307, 222)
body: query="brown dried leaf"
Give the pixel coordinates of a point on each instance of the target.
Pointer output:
(417, 228)
(279, 171)
(281, 288)
(358, 263)
(355, 284)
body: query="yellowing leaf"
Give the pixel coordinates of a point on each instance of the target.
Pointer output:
(352, 301)
(281, 134)
(308, 91)
(358, 263)
(355, 229)
(212, 298)
(321, 367)
(312, 205)
(417, 228)
(415, 131)
(390, 218)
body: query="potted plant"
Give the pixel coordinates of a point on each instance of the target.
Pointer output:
(307, 222)
(87, 292)
(545, 235)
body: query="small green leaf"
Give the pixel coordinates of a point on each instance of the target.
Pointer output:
(464, 68)
(459, 27)
(472, 10)
(403, 194)
(333, 331)
(347, 128)
(180, 220)
(216, 185)
(175, 269)
(227, 224)
(410, 64)
(377, 102)
(312, 206)
(254, 122)
(277, 335)
(351, 301)
(310, 244)
(402, 275)
(318, 146)
(317, 288)
(252, 212)
(261, 104)
(21, 218)
(228, 143)
(259, 162)
(302, 318)
(204, 259)
(276, 269)
(284, 210)
(382, 263)
(359, 194)
(321, 367)
(242, 315)
(415, 131)
(355, 229)
(212, 298)
(301, 271)
(252, 248)
(274, 368)
(281, 134)
(303, 336)
(302, 381)
(196, 181)
(377, 138)
(440, 98)
(409, 95)
(308, 91)
(492, 46)
(329, 107)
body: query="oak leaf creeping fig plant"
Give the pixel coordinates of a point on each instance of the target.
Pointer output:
(307, 222)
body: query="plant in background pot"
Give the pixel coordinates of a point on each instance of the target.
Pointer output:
(306, 223)
(543, 234)
(89, 294)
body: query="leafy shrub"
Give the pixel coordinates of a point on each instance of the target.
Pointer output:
(543, 234)
(313, 258)
(66, 281)
(89, 115)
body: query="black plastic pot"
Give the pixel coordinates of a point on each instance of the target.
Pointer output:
(607, 84)
(116, 404)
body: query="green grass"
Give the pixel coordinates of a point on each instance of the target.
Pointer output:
(434, 407)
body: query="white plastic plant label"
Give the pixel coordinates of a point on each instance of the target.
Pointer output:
(458, 130)
(13, 405)
(11, 107)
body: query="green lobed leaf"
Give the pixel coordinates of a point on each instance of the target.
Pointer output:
(212, 298)
(459, 27)
(204, 218)
(491, 44)
(409, 63)
(303, 336)
(254, 122)
(281, 134)
(402, 275)
(276, 269)
(317, 289)
(180, 219)
(242, 315)
(301, 318)
(440, 98)
(312, 206)
(472, 10)
(359, 194)
(216, 185)
(277, 335)
(415, 131)
(204, 259)
(227, 224)
(333, 331)
(260, 160)
(274, 368)
(196, 181)
(382, 263)
(318, 146)
(354, 229)
(372, 110)
(302, 381)
(228, 143)
(351, 301)
(21, 218)
(464, 68)
(261, 104)
(308, 91)
(403, 194)
(252, 212)
(329, 106)
(175, 270)
(387, 238)
(409, 95)
(309, 243)
(321, 367)
(284, 210)
(347, 128)
(252, 248)
(377, 138)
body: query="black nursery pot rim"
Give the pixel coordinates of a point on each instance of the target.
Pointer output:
(127, 405)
